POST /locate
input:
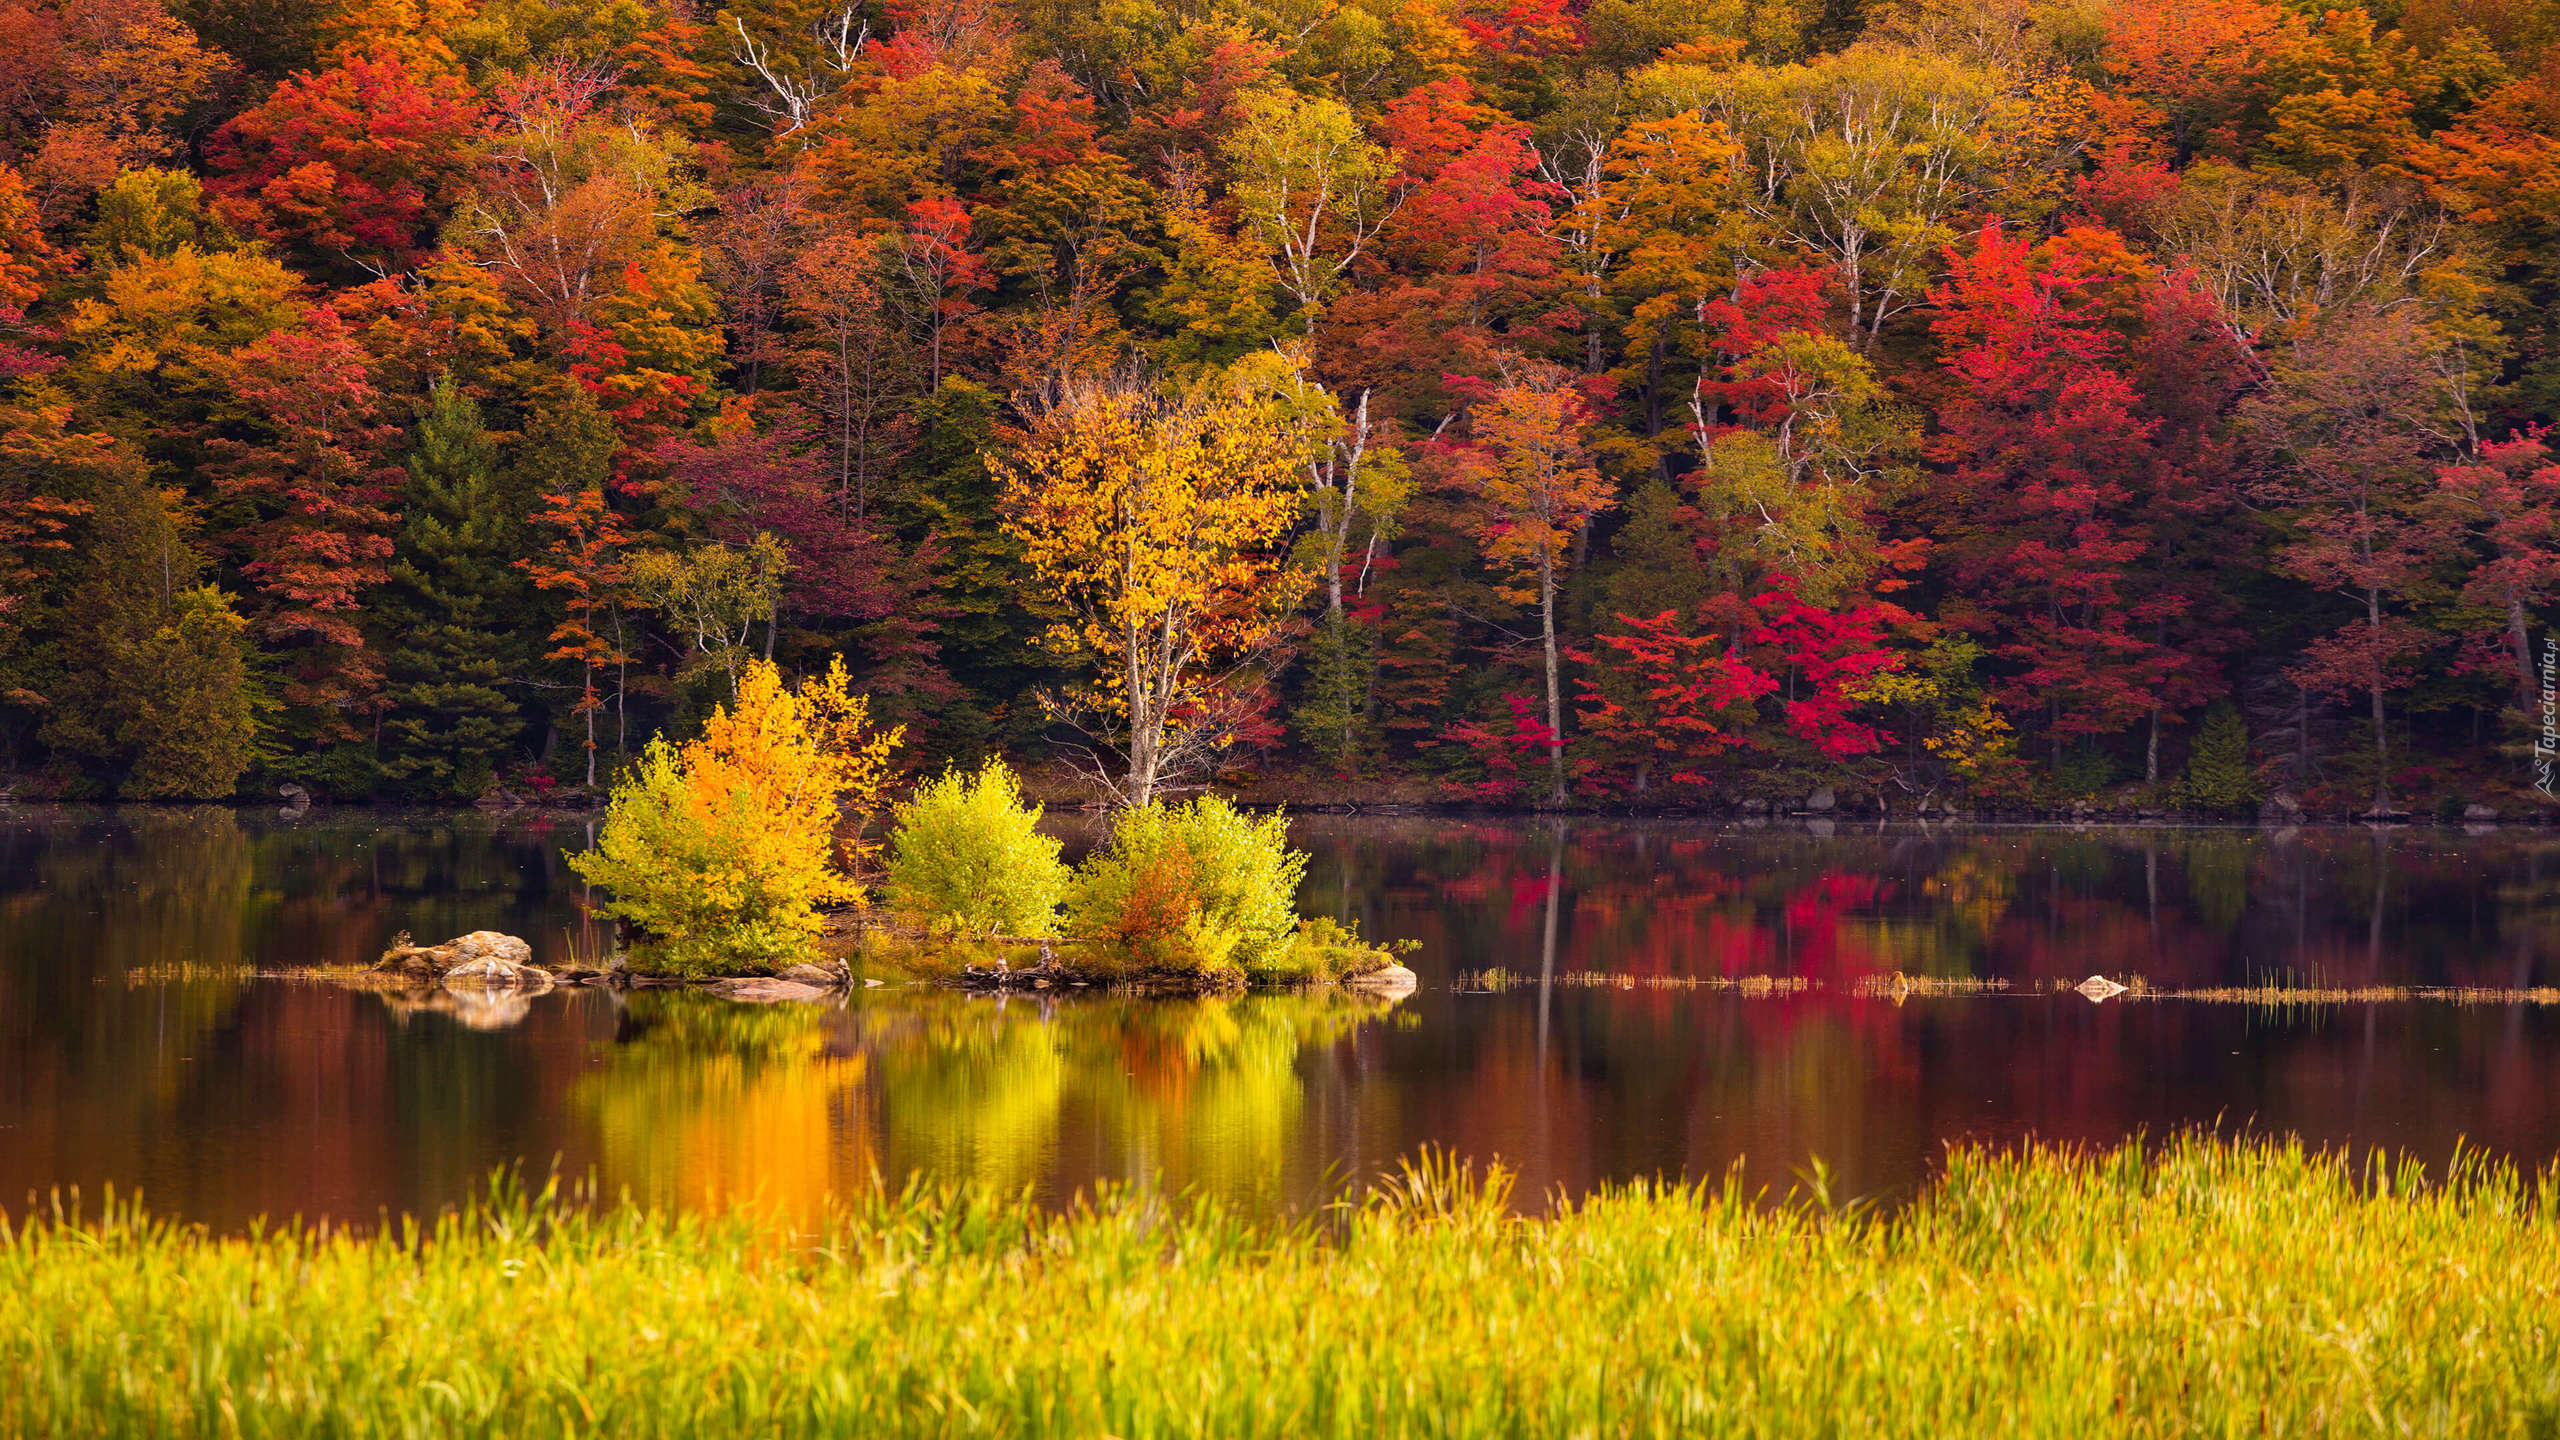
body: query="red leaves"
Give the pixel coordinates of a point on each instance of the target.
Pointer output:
(1690, 698)
(1503, 752)
(318, 536)
(1836, 653)
(1667, 696)
(2057, 487)
(360, 160)
(1763, 307)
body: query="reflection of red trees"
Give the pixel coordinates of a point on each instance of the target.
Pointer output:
(2031, 907)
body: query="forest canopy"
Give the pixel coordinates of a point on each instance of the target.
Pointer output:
(1995, 401)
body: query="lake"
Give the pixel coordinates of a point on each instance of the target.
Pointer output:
(138, 1049)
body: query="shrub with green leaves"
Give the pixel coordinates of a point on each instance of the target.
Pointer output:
(1321, 949)
(2218, 775)
(967, 856)
(1198, 889)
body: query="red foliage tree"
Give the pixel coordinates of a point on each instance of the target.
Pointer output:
(1472, 261)
(844, 565)
(2510, 502)
(2053, 490)
(314, 536)
(360, 160)
(1690, 699)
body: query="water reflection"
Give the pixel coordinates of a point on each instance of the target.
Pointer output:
(142, 1043)
(701, 1102)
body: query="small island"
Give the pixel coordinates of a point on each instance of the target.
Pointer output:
(740, 861)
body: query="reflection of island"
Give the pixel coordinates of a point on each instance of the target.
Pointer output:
(700, 1101)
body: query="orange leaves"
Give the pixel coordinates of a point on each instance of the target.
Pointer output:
(2191, 68)
(722, 848)
(1525, 467)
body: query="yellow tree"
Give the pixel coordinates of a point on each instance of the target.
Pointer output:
(1154, 518)
(1533, 488)
(722, 848)
(1311, 187)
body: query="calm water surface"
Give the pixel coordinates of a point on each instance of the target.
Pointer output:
(135, 1049)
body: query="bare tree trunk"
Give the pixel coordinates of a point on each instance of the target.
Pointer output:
(2381, 737)
(621, 687)
(1555, 682)
(1143, 723)
(2529, 692)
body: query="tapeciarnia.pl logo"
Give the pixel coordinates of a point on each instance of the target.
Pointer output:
(2546, 747)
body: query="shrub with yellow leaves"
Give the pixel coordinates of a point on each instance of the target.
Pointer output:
(721, 849)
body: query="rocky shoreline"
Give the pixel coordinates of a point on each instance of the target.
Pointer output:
(487, 963)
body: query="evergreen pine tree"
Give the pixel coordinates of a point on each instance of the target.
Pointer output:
(2218, 776)
(562, 479)
(989, 630)
(447, 608)
(1334, 711)
(156, 691)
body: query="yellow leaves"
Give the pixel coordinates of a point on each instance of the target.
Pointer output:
(1310, 185)
(1218, 288)
(187, 305)
(723, 847)
(807, 756)
(1155, 518)
(1669, 178)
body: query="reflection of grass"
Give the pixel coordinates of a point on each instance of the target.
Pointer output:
(2285, 995)
(2210, 1289)
(1898, 985)
(1753, 985)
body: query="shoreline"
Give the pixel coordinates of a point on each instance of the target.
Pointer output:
(1818, 822)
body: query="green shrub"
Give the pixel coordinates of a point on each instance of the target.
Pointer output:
(967, 856)
(696, 881)
(1320, 949)
(1199, 889)
(2218, 775)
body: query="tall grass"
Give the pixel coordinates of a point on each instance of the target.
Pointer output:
(2210, 1288)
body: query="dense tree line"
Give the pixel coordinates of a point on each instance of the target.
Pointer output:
(1684, 399)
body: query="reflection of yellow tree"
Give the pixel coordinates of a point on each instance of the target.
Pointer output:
(1227, 1119)
(968, 1089)
(706, 1103)
(1193, 1093)
(1952, 936)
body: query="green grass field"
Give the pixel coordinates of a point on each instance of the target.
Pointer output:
(2211, 1289)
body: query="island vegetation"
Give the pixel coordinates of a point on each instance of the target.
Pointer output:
(732, 853)
(2198, 1286)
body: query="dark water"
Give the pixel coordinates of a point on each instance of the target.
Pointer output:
(136, 1050)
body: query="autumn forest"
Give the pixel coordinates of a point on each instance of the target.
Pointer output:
(2010, 403)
